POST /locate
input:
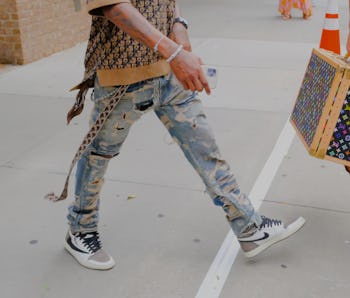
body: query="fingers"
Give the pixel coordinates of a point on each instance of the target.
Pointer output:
(204, 82)
(200, 82)
(197, 83)
(190, 85)
(203, 78)
(188, 70)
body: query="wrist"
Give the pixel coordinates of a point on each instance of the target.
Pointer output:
(167, 47)
(177, 27)
(175, 54)
(182, 21)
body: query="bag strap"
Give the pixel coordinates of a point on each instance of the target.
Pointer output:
(88, 139)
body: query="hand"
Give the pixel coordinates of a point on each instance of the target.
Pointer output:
(180, 36)
(187, 69)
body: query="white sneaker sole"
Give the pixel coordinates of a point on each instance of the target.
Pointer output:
(84, 261)
(290, 230)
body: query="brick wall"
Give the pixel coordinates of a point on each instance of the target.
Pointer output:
(33, 29)
(10, 42)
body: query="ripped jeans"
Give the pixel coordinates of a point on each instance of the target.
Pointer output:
(182, 114)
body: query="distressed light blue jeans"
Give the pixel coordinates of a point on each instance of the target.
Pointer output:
(182, 114)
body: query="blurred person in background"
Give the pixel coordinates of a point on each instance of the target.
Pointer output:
(285, 7)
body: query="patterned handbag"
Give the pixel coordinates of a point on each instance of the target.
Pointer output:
(321, 114)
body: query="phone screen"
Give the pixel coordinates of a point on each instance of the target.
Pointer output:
(212, 75)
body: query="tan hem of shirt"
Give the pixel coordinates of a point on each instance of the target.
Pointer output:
(94, 6)
(127, 76)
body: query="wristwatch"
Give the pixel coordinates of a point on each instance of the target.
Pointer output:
(182, 21)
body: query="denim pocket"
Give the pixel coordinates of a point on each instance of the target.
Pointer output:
(173, 93)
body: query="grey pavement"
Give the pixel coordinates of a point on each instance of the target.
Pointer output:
(165, 239)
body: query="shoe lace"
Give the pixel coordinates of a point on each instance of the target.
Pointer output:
(269, 222)
(92, 241)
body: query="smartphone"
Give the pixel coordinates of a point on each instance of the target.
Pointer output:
(212, 75)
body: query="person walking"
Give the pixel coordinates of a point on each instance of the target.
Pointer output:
(139, 58)
(285, 8)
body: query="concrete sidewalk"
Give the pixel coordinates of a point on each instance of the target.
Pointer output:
(166, 238)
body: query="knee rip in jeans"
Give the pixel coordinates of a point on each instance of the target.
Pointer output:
(97, 182)
(104, 155)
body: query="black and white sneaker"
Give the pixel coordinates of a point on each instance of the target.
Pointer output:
(270, 232)
(87, 250)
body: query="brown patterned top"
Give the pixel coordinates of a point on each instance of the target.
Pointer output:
(116, 57)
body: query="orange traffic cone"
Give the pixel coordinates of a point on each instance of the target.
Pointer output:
(330, 39)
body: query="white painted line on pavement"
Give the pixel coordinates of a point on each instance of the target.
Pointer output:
(215, 279)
